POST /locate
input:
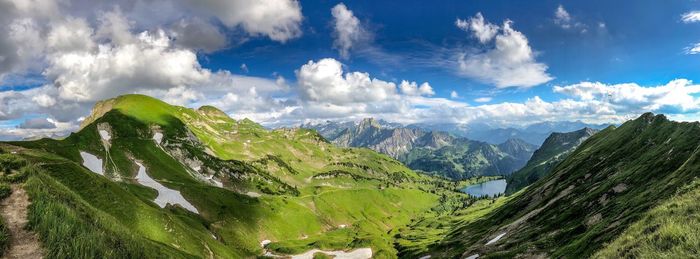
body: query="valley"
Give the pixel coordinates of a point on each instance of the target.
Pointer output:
(433, 152)
(175, 182)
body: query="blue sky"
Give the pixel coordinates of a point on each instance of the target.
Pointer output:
(643, 42)
(283, 62)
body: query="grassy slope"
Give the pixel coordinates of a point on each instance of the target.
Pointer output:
(554, 149)
(430, 228)
(371, 195)
(669, 230)
(591, 197)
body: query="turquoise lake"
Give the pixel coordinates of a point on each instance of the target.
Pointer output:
(490, 188)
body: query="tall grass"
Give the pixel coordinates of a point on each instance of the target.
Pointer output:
(70, 228)
(670, 230)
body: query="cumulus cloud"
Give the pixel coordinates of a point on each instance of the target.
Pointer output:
(484, 31)
(413, 89)
(149, 62)
(324, 81)
(86, 56)
(691, 17)
(327, 91)
(454, 95)
(347, 30)
(509, 63)
(279, 20)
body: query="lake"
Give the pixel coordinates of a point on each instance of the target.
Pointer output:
(490, 188)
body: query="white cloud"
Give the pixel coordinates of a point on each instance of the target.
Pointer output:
(347, 30)
(691, 17)
(44, 100)
(244, 68)
(483, 99)
(70, 35)
(562, 17)
(677, 96)
(150, 62)
(412, 88)
(324, 81)
(484, 31)
(454, 95)
(83, 61)
(279, 20)
(510, 63)
(328, 92)
(692, 50)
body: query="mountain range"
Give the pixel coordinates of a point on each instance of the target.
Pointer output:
(434, 152)
(146, 179)
(535, 133)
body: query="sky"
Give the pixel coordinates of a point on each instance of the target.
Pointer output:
(285, 62)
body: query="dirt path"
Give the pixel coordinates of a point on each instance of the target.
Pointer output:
(23, 244)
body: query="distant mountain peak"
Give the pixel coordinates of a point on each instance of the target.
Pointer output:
(369, 123)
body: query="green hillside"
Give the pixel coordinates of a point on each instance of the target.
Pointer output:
(606, 185)
(145, 179)
(669, 230)
(247, 184)
(554, 149)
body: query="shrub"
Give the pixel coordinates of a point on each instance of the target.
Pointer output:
(5, 190)
(9, 162)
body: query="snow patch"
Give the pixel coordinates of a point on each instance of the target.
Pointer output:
(265, 243)
(104, 135)
(361, 253)
(253, 194)
(158, 137)
(165, 194)
(495, 239)
(92, 162)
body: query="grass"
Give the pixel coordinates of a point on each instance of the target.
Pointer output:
(304, 204)
(597, 192)
(13, 169)
(669, 230)
(70, 228)
(429, 229)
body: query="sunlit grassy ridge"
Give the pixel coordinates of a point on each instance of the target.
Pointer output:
(313, 194)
